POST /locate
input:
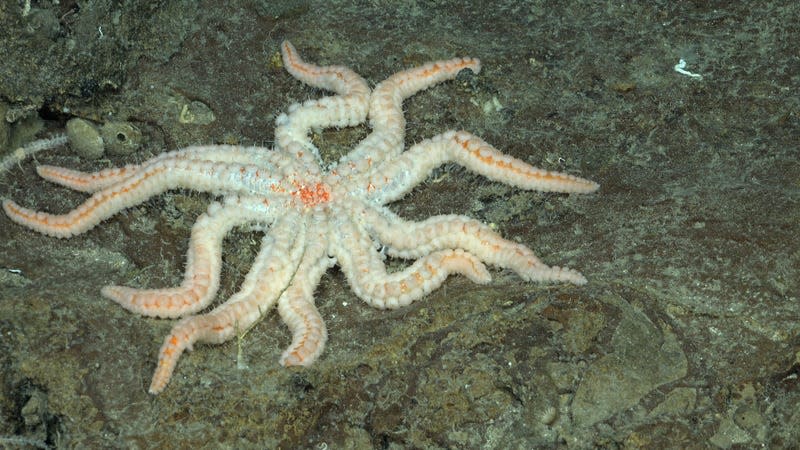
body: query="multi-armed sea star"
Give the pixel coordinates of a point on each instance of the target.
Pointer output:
(313, 217)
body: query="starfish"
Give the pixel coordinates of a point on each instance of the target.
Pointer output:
(313, 216)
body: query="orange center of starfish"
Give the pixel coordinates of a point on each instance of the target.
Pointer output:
(313, 195)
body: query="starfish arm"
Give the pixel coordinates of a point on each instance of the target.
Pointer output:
(296, 305)
(367, 276)
(386, 107)
(406, 239)
(156, 178)
(339, 79)
(392, 180)
(20, 154)
(204, 262)
(272, 271)
(89, 182)
(297, 310)
(346, 109)
(92, 182)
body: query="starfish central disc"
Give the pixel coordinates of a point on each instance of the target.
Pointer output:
(313, 195)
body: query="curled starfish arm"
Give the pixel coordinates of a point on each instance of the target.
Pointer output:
(386, 107)
(367, 276)
(296, 305)
(406, 239)
(272, 271)
(346, 109)
(391, 180)
(204, 262)
(304, 321)
(339, 79)
(156, 178)
(94, 181)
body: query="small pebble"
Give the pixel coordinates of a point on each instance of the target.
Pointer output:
(84, 139)
(197, 113)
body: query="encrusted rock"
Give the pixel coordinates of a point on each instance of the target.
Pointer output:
(121, 138)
